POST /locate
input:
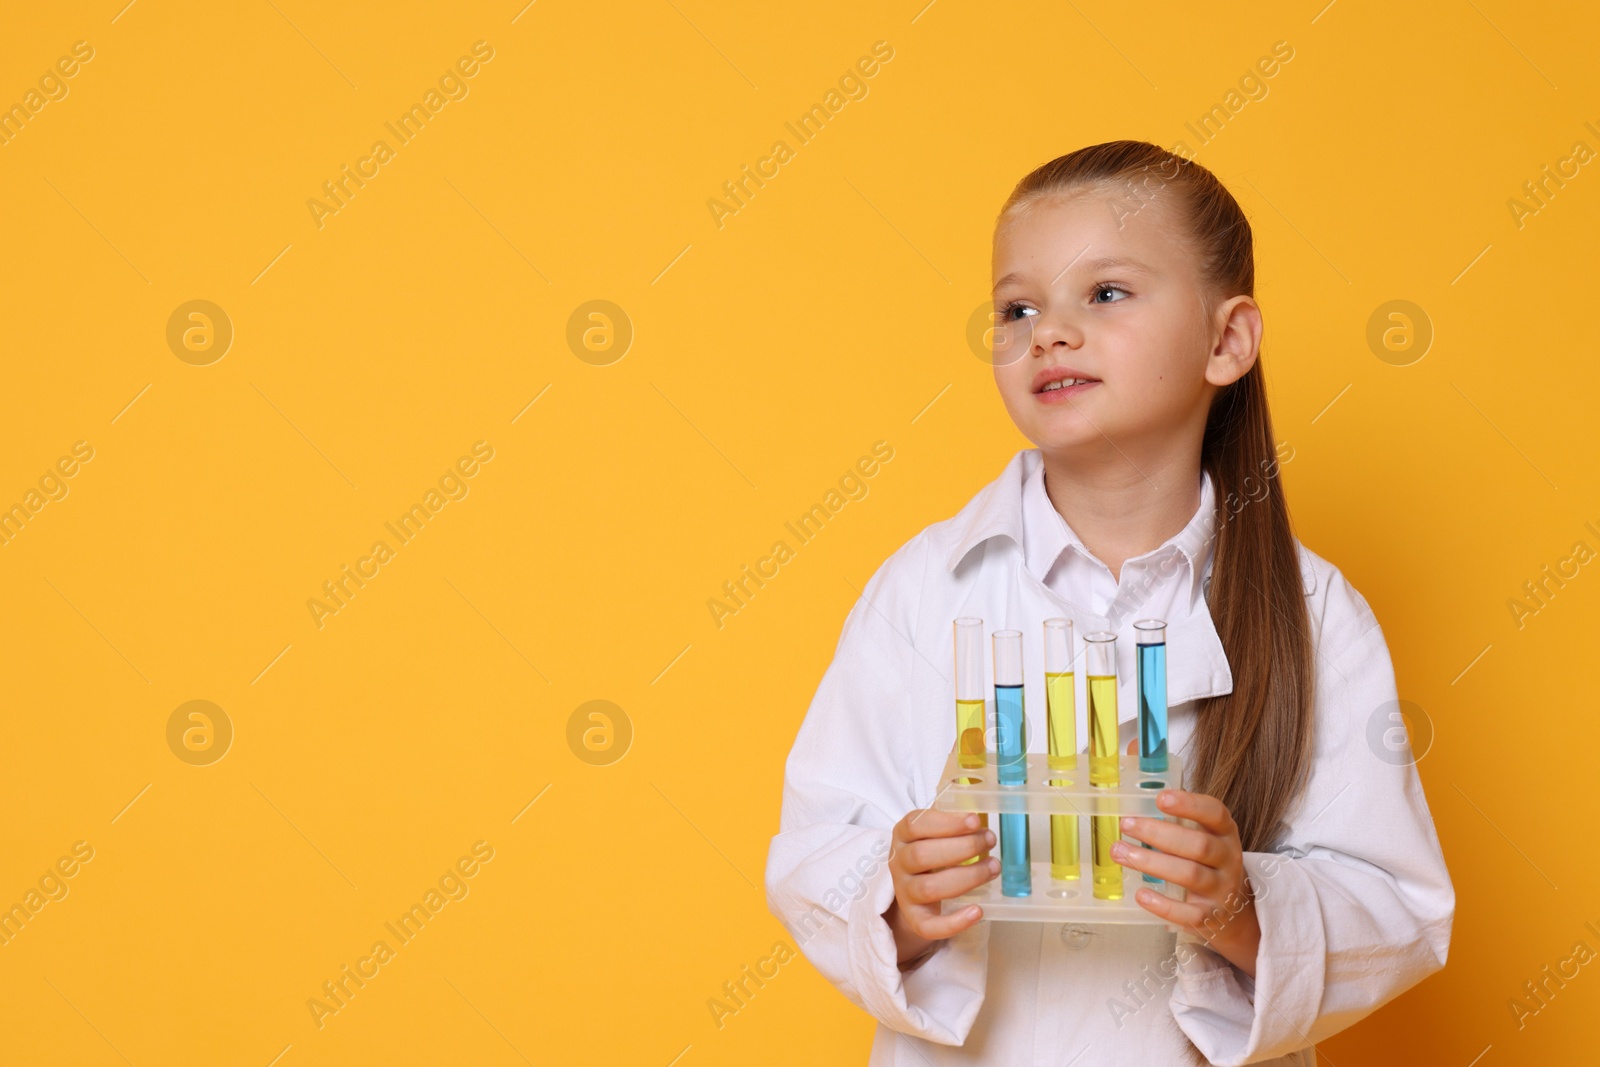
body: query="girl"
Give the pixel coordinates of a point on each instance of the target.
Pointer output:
(1126, 351)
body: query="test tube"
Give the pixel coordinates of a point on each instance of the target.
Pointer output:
(1061, 708)
(1100, 663)
(1151, 638)
(1104, 771)
(969, 692)
(1016, 867)
(970, 751)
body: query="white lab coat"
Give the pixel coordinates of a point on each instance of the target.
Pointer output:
(1354, 900)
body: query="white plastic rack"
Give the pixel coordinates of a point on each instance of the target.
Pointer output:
(1063, 792)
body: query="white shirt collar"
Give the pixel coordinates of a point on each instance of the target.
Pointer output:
(1047, 535)
(997, 510)
(1197, 664)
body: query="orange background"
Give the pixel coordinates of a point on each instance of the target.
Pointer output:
(628, 481)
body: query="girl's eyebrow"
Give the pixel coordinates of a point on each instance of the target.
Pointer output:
(1104, 263)
(1118, 263)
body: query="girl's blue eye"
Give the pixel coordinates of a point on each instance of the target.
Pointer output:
(1101, 287)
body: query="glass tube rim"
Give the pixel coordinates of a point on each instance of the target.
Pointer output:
(1008, 658)
(1146, 628)
(970, 684)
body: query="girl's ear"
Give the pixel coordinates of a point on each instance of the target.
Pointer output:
(1238, 325)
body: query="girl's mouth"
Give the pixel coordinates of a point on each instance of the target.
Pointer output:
(1059, 392)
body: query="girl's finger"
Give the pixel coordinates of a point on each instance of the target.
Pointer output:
(1195, 877)
(1199, 919)
(936, 927)
(928, 822)
(1205, 921)
(1173, 839)
(950, 882)
(1206, 810)
(934, 853)
(1157, 904)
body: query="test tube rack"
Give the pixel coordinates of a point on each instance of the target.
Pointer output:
(1066, 792)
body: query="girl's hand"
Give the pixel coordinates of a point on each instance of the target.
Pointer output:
(1208, 862)
(925, 861)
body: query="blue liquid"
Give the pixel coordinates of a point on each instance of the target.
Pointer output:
(1016, 867)
(1010, 756)
(1152, 707)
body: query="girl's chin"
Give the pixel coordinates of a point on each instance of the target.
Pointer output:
(1055, 435)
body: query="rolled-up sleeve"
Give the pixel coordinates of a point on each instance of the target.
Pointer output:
(847, 781)
(1355, 902)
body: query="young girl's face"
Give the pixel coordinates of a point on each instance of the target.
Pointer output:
(1101, 286)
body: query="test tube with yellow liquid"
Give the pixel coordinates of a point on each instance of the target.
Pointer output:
(1100, 666)
(1061, 711)
(970, 750)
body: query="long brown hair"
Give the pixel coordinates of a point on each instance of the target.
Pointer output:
(1251, 747)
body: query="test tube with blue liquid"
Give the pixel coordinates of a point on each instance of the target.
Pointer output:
(1016, 867)
(1150, 636)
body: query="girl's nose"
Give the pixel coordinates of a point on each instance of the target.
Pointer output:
(1055, 328)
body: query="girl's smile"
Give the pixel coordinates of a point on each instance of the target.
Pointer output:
(1051, 395)
(1053, 385)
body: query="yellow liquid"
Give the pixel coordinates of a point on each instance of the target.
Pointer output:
(1061, 709)
(1107, 872)
(971, 755)
(1103, 766)
(969, 729)
(1104, 771)
(1064, 847)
